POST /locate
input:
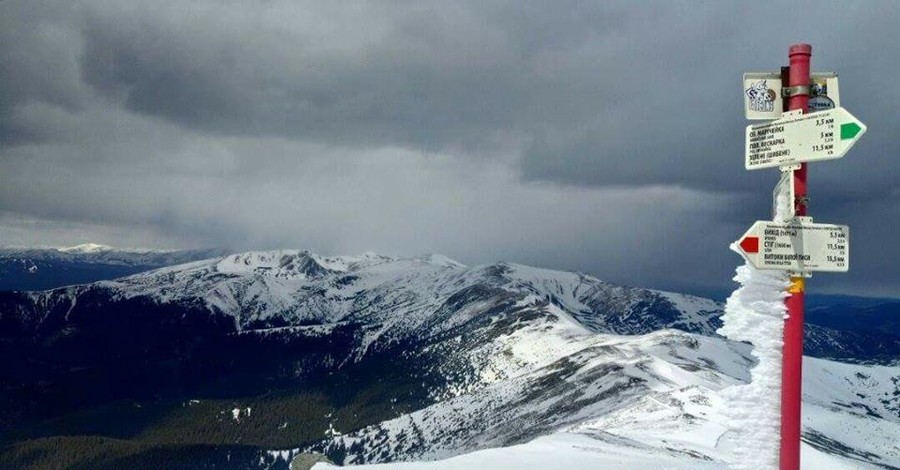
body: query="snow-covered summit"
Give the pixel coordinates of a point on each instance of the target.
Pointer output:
(286, 264)
(86, 248)
(304, 264)
(440, 260)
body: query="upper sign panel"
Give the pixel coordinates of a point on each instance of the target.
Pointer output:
(763, 100)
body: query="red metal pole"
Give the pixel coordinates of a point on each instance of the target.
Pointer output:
(792, 365)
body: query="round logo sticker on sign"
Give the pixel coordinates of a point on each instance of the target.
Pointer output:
(820, 103)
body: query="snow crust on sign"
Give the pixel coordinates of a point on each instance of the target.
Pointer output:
(755, 313)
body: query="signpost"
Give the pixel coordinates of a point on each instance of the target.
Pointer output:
(798, 137)
(797, 246)
(794, 243)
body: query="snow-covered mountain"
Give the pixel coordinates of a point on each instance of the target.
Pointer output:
(416, 358)
(851, 421)
(297, 287)
(47, 268)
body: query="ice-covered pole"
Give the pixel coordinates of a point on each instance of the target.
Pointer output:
(792, 363)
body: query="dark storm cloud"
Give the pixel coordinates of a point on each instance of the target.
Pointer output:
(431, 76)
(255, 125)
(598, 95)
(37, 64)
(358, 82)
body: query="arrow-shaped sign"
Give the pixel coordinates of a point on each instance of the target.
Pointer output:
(796, 138)
(797, 246)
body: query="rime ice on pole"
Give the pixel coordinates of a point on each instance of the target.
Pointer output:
(755, 313)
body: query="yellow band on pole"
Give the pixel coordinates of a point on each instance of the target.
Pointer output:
(798, 285)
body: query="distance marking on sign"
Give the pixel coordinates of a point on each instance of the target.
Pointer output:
(797, 246)
(796, 138)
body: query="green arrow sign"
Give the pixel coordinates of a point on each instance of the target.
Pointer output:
(798, 137)
(849, 130)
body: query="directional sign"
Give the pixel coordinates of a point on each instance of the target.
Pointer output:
(797, 246)
(763, 98)
(796, 138)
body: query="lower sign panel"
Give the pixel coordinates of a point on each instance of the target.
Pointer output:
(797, 246)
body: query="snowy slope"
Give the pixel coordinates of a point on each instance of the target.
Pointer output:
(569, 451)
(502, 354)
(680, 428)
(457, 331)
(536, 387)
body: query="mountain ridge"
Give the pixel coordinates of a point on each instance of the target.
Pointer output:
(411, 358)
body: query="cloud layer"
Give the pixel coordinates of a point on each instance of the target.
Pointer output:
(605, 138)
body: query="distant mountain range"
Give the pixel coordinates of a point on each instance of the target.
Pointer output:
(48, 268)
(845, 328)
(247, 360)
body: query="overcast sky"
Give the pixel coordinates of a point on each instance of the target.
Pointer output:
(604, 137)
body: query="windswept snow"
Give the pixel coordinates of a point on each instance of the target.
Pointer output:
(755, 313)
(851, 421)
(564, 451)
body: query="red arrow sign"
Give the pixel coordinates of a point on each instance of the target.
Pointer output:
(750, 244)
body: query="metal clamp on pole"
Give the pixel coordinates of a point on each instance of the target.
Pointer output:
(795, 90)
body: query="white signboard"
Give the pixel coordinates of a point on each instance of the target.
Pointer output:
(762, 95)
(796, 138)
(763, 98)
(785, 186)
(797, 246)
